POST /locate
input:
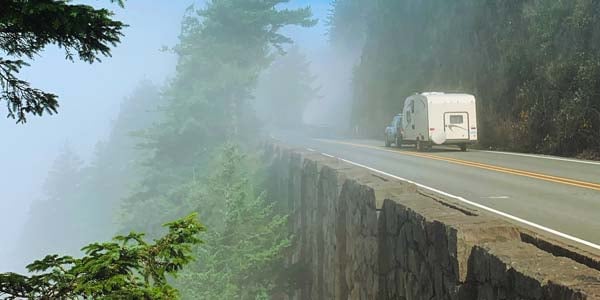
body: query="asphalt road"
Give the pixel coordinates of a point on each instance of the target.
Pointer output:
(560, 194)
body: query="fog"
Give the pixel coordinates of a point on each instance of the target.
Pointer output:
(90, 96)
(331, 67)
(169, 170)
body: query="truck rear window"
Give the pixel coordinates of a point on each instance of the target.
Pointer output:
(456, 119)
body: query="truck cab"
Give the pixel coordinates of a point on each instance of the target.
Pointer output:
(394, 132)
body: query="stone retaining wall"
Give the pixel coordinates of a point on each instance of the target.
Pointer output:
(361, 235)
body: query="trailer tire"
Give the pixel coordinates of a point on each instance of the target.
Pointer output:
(463, 147)
(398, 142)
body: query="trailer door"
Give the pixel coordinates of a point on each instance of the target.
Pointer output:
(456, 125)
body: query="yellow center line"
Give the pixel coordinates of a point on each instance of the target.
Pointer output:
(550, 178)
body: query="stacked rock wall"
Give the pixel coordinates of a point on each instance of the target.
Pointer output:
(361, 235)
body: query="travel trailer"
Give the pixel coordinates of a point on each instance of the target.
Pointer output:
(439, 119)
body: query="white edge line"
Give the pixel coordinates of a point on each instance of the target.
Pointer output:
(543, 157)
(543, 228)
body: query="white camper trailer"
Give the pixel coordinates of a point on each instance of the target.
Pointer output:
(440, 119)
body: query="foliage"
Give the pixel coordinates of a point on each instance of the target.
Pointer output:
(89, 195)
(27, 27)
(243, 257)
(532, 64)
(51, 219)
(195, 158)
(347, 23)
(285, 89)
(222, 50)
(112, 173)
(126, 268)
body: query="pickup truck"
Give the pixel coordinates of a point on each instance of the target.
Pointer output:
(394, 132)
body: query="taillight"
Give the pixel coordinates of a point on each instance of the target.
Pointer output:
(431, 129)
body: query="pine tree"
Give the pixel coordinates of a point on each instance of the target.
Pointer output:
(81, 203)
(222, 50)
(532, 65)
(27, 27)
(347, 23)
(128, 267)
(52, 225)
(112, 173)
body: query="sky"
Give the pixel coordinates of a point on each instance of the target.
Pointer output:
(90, 94)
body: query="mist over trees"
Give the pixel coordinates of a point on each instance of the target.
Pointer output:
(80, 202)
(53, 217)
(201, 155)
(189, 145)
(533, 66)
(195, 152)
(285, 89)
(222, 50)
(347, 23)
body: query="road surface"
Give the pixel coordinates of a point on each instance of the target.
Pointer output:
(561, 196)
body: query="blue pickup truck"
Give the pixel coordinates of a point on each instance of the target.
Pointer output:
(394, 132)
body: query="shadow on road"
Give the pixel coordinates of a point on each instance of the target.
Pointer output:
(412, 148)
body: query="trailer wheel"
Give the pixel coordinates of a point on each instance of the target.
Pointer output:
(398, 142)
(463, 147)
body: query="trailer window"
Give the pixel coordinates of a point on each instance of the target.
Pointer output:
(456, 119)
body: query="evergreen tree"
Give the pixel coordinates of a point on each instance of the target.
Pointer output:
(128, 267)
(197, 156)
(347, 23)
(532, 65)
(112, 173)
(223, 48)
(27, 27)
(195, 160)
(51, 227)
(80, 203)
(243, 257)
